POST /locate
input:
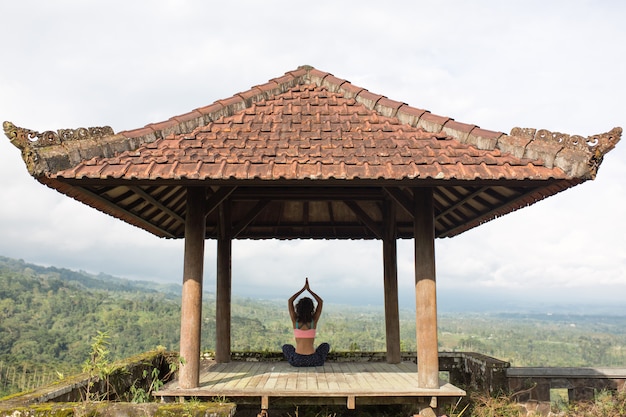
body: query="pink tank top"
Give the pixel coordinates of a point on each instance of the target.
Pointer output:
(304, 333)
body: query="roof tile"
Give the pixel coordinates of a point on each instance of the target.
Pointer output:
(191, 116)
(210, 109)
(142, 131)
(409, 115)
(388, 107)
(350, 91)
(515, 145)
(457, 130)
(483, 139)
(368, 99)
(546, 151)
(332, 83)
(432, 122)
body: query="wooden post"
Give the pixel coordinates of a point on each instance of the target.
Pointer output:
(223, 291)
(390, 266)
(425, 290)
(191, 314)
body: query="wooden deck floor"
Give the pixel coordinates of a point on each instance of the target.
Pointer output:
(334, 383)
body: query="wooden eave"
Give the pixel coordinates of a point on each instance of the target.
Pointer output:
(304, 184)
(309, 211)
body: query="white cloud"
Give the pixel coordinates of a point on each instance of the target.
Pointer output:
(495, 64)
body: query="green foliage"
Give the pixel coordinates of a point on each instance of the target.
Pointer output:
(483, 405)
(141, 395)
(98, 367)
(538, 339)
(605, 403)
(48, 315)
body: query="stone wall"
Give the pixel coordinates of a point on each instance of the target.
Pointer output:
(582, 384)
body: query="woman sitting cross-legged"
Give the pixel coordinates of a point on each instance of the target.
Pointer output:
(304, 317)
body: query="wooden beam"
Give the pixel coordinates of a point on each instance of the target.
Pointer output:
(308, 193)
(487, 214)
(249, 217)
(217, 198)
(191, 313)
(224, 284)
(425, 290)
(351, 402)
(126, 215)
(365, 218)
(331, 216)
(390, 266)
(461, 200)
(401, 198)
(156, 203)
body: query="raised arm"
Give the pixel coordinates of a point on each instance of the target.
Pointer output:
(320, 303)
(291, 307)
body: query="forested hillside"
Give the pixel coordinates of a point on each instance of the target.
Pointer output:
(48, 317)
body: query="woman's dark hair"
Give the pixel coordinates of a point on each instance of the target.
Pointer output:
(304, 310)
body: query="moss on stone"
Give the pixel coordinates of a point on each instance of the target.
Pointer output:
(116, 409)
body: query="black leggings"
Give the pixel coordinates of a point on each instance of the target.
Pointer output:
(314, 359)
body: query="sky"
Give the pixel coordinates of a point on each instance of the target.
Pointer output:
(556, 65)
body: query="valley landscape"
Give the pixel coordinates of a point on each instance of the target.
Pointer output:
(50, 315)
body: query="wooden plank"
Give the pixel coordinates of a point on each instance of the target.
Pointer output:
(260, 377)
(327, 384)
(382, 384)
(362, 383)
(226, 381)
(291, 384)
(406, 376)
(271, 379)
(322, 379)
(212, 375)
(283, 378)
(382, 376)
(339, 376)
(247, 371)
(311, 379)
(352, 383)
(301, 381)
(331, 378)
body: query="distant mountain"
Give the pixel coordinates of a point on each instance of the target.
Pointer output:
(85, 280)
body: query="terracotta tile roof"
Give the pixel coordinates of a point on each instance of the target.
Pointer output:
(309, 132)
(311, 129)
(310, 124)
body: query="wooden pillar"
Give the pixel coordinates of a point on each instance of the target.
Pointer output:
(224, 279)
(390, 266)
(191, 314)
(425, 290)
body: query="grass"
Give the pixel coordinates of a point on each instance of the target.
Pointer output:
(605, 403)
